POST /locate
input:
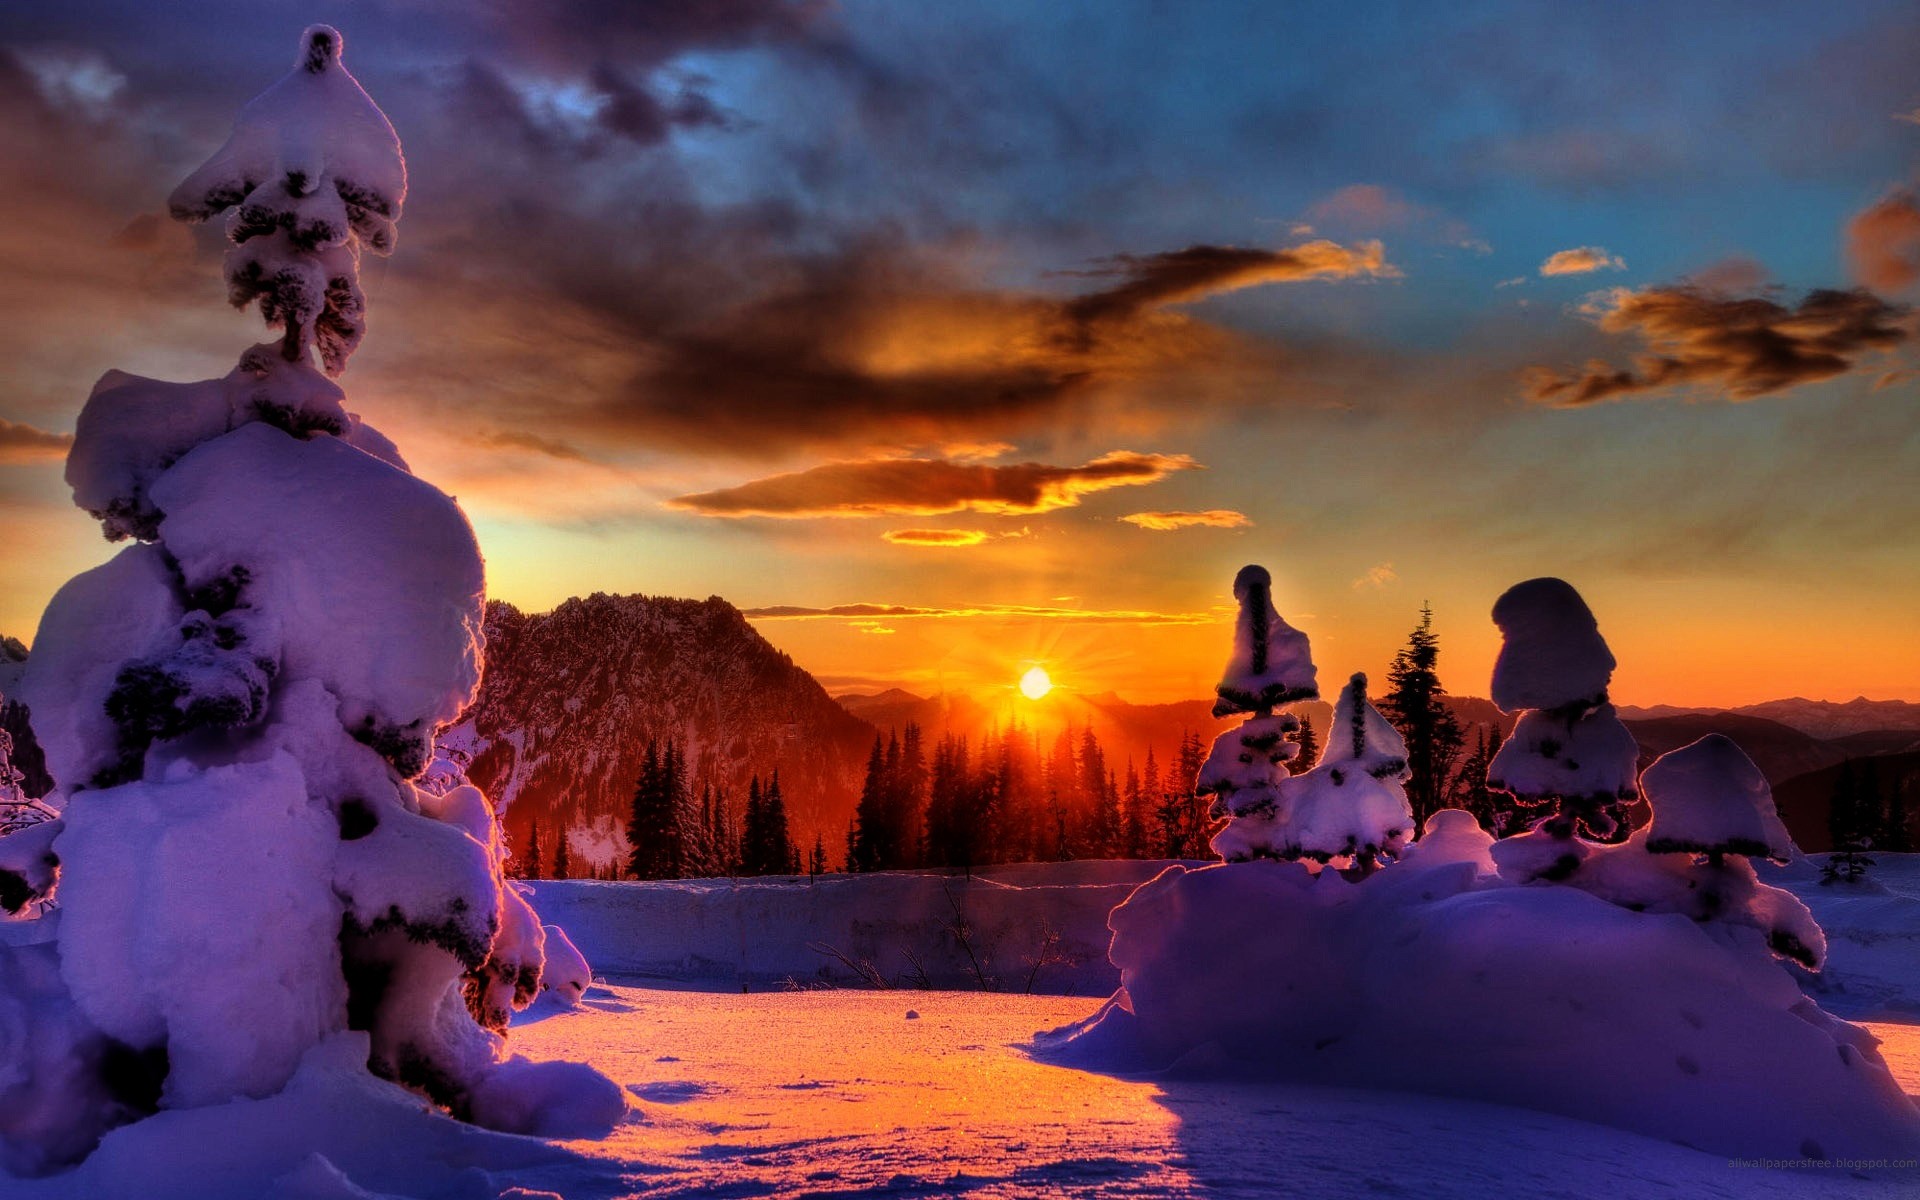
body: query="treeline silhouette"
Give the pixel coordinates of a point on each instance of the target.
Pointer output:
(1014, 795)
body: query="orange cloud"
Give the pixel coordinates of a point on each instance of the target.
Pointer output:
(930, 487)
(1744, 346)
(26, 444)
(1883, 242)
(1580, 260)
(936, 537)
(1213, 518)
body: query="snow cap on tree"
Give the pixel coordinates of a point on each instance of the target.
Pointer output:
(1362, 739)
(1553, 656)
(312, 173)
(1272, 663)
(1710, 798)
(1247, 763)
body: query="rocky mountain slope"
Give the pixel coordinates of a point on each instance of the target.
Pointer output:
(569, 700)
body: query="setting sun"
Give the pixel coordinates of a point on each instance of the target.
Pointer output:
(1035, 683)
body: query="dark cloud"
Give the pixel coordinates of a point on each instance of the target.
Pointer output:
(24, 444)
(884, 343)
(1742, 347)
(1151, 281)
(1883, 242)
(927, 487)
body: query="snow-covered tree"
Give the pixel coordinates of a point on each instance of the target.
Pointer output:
(236, 708)
(1351, 808)
(1272, 663)
(1569, 756)
(1713, 812)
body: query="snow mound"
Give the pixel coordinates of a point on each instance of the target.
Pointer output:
(1553, 655)
(1433, 976)
(549, 1099)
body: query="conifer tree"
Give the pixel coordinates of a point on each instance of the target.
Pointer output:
(817, 861)
(654, 832)
(780, 858)
(1309, 747)
(532, 862)
(1413, 703)
(562, 857)
(1850, 821)
(1133, 836)
(867, 835)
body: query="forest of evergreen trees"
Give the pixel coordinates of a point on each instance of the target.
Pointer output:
(1013, 796)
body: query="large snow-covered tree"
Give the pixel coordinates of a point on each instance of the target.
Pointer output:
(236, 708)
(1569, 757)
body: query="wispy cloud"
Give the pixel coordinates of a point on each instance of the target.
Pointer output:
(1581, 260)
(1376, 578)
(1213, 518)
(26, 444)
(858, 613)
(929, 487)
(1368, 207)
(1740, 346)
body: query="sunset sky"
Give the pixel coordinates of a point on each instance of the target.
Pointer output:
(950, 339)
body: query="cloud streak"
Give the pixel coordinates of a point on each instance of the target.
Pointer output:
(21, 443)
(1740, 347)
(930, 487)
(859, 613)
(936, 537)
(1212, 518)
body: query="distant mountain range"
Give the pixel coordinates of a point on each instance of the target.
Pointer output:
(1824, 719)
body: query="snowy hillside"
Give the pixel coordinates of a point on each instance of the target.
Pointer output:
(570, 698)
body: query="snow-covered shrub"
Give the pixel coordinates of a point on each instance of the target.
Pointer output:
(235, 709)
